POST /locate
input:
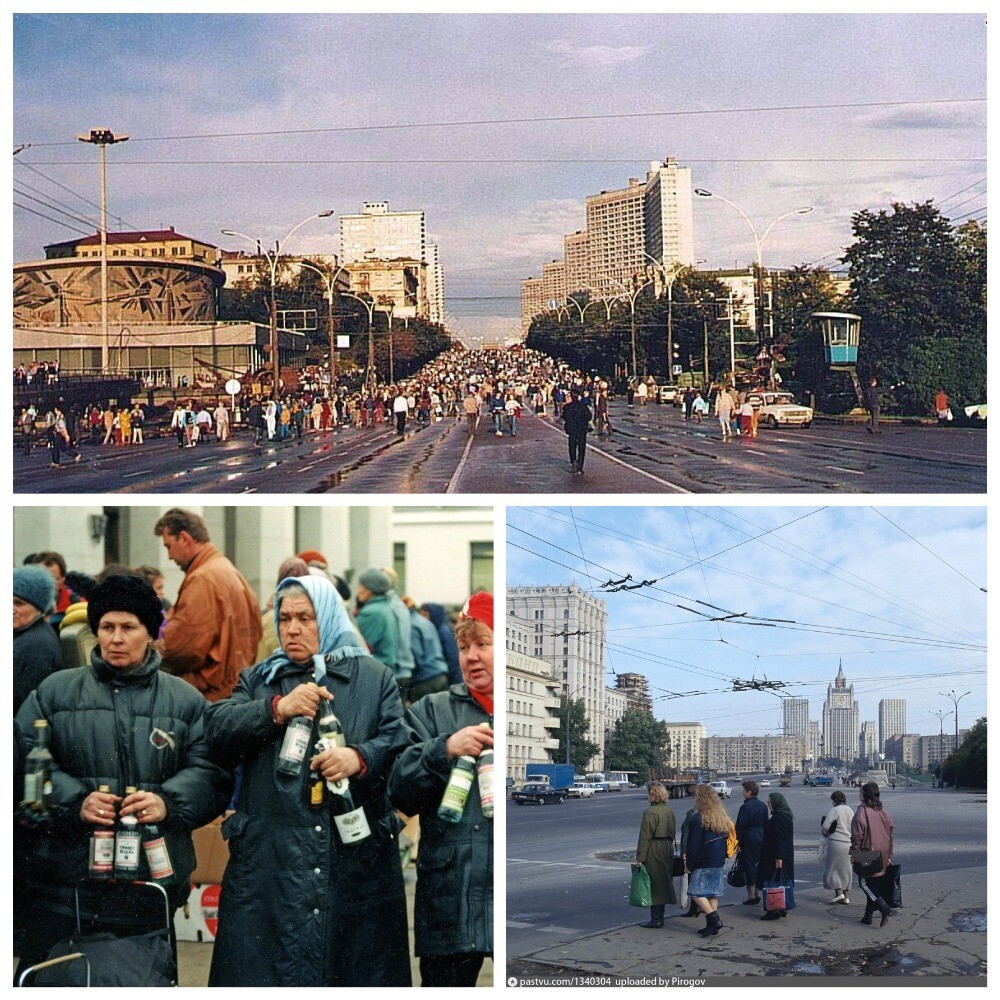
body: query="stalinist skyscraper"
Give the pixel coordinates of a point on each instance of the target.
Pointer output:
(840, 719)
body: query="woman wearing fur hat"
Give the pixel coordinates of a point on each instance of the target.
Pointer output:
(120, 722)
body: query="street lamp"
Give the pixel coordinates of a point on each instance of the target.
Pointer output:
(942, 715)
(102, 138)
(669, 277)
(759, 243)
(272, 260)
(331, 286)
(632, 296)
(955, 699)
(370, 379)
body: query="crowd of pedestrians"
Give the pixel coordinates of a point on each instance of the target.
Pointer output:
(193, 704)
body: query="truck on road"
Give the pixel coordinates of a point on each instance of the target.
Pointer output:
(556, 775)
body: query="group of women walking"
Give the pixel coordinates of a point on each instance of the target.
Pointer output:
(765, 834)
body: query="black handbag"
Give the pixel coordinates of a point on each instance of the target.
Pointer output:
(678, 869)
(894, 897)
(737, 876)
(867, 863)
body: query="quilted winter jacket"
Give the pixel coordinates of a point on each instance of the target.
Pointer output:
(109, 727)
(454, 902)
(298, 907)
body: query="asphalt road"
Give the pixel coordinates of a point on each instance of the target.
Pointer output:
(652, 450)
(560, 888)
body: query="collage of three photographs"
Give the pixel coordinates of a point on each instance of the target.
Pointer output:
(343, 341)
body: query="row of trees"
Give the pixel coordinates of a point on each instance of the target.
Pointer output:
(917, 281)
(413, 344)
(637, 742)
(967, 765)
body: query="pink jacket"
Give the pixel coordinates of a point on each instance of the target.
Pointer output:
(872, 829)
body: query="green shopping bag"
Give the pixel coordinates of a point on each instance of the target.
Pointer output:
(640, 893)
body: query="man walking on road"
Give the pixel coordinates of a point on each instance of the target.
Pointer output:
(576, 420)
(470, 406)
(212, 630)
(873, 401)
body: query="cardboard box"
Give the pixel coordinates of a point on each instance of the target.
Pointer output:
(211, 854)
(198, 919)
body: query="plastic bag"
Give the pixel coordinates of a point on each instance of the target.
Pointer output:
(640, 893)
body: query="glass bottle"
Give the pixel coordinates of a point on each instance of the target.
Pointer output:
(127, 841)
(350, 819)
(456, 792)
(295, 745)
(38, 773)
(484, 775)
(102, 849)
(158, 861)
(329, 727)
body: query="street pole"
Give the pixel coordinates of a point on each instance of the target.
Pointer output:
(331, 287)
(955, 699)
(102, 138)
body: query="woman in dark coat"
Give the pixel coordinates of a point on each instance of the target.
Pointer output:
(777, 852)
(750, 822)
(298, 906)
(120, 722)
(656, 852)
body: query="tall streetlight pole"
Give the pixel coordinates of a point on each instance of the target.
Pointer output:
(272, 261)
(669, 277)
(331, 287)
(759, 243)
(942, 715)
(102, 138)
(370, 378)
(955, 699)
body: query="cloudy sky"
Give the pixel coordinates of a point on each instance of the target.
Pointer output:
(497, 126)
(892, 592)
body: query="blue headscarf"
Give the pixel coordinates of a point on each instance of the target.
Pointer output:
(337, 638)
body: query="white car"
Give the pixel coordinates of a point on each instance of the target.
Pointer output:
(722, 789)
(581, 790)
(779, 409)
(764, 783)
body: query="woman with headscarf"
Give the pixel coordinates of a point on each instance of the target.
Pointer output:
(777, 852)
(120, 722)
(299, 906)
(656, 852)
(705, 856)
(872, 830)
(750, 823)
(836, 830)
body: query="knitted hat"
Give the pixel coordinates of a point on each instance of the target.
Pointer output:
(480, 607)
(313, 557)
(37, 586)
(131, 594)
(375, 580)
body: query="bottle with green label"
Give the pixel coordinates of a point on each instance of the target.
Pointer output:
(128, 838)
(456, 792)
(102, 849)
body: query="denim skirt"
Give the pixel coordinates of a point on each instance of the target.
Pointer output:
(707, 882)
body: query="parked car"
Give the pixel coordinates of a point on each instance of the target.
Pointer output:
(538, 794)
(722, 789)
(581, 790)
(779, 409)
(764, 783)
(667, 393)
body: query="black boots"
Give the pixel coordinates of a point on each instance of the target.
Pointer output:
(885, 909)
(693, 910)
(655, 917)
(712, 924)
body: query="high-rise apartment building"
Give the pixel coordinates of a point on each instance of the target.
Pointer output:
(567, 627)
(554, 283)
(575, 255)
(616, 238)
(796, 716)
(815, 740)
(533, 301)
(891, 719)
(435, 284)
(687, 745)
(669, 217)
(868, 743)
(747, 754)
(840, 719)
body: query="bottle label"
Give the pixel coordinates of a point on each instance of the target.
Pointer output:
(34, 786)
(457, 791)
(127, 851)
(102, 852)
(316, 787)
(295, 746)
(158, 859)
(352, 826)
(485, 773)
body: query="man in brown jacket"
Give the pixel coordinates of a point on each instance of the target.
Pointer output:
(213, 628)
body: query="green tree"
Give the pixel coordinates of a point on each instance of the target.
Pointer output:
(638, 742)
(919, 287)
(581, 749)
(967, 765)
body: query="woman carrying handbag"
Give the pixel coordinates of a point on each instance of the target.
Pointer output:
(871, 832)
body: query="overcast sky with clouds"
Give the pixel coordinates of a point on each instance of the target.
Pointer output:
(892, 592)
(366, 104)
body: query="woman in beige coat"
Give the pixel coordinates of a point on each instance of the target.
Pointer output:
(656, 852)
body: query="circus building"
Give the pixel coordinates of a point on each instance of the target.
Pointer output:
(162, 320)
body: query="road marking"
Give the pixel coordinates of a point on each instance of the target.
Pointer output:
(840, 468)
(453, 482)
(131, 475)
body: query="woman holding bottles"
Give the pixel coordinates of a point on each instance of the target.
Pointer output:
(452, 731)
(313, 892)
(118, 723)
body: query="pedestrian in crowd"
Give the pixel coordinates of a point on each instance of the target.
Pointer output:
(55, 563)
(750, 823)
(404, 665)
(271, 418)
(705, 858)
(576, 420)
(125, 426)
(453, 911)
(724, 411)
(641, 392)
(942, 407)
(601, 415)
(36, 652)
(291, 568)
(655, 851)
(120, 721)
(137, 418)
(755, 415)
(630, 393)
(685, 900)
(299, 907)
(375, 617)
(777, 852)
(177, 424)
(872, 830)
(435, 613)
(27, 424)
(700, 406)
(873, 403)
(221, 422)
(512, 408)
(400, 409)
(746, 420)
(153, 575)
(430, 670)
(497, 409)
(212, 631)
(470, 406)
(62, 439)
(836, 830)
(109, 425)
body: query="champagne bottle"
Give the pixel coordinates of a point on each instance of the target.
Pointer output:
(484, 775)
(38, 773)
(330, 729)
(456, 792)
(154, 845)
(295, 745)
(102, 849)
(350, 819)
(127, 840)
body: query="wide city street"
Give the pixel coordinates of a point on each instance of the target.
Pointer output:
(652, 449)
